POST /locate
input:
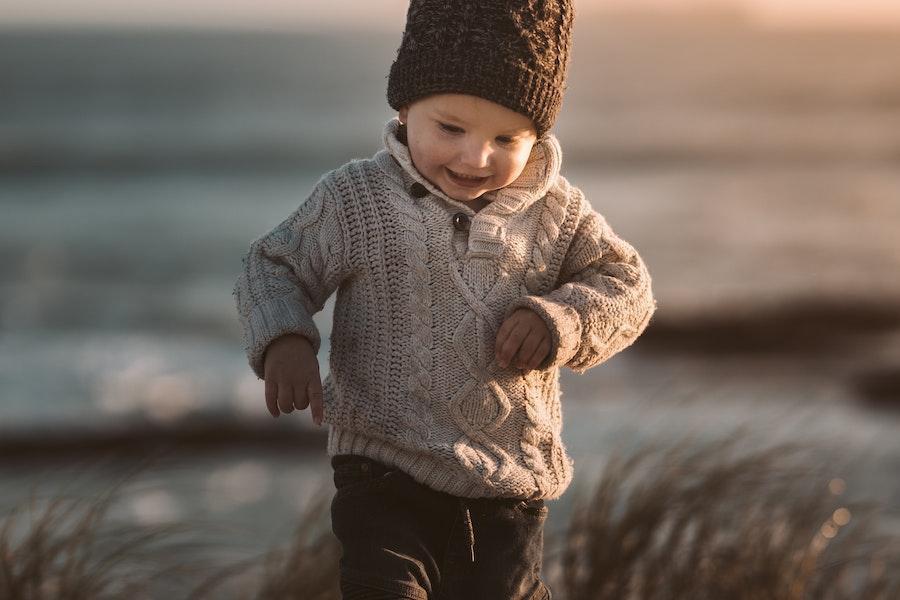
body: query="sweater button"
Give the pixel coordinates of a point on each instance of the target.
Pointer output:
(417, 190)
(461, 221)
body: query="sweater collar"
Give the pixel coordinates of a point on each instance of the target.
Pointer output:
(540, 173)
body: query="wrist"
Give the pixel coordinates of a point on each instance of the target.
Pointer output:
(291, 337)
(289, 340)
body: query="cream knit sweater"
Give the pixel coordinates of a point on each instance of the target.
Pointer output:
(413, 379)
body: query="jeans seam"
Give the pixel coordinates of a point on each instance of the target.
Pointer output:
(447, 556)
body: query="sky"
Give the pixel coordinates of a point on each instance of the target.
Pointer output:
(386, 14)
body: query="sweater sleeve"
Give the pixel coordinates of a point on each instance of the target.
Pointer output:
(289, 273)
(603, 300)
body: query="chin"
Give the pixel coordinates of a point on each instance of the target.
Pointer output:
(465, 194)
(468, 196)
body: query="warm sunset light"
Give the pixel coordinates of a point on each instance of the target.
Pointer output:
(294, 303)
(835, 13)
(388, 14)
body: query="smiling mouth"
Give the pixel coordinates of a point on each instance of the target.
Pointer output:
(465, 180)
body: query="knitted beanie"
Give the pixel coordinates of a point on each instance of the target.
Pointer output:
(512, 52)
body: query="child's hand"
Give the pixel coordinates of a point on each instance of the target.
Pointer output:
(523, 339)
(292, 377)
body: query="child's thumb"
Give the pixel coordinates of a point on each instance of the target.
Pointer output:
(314, 393)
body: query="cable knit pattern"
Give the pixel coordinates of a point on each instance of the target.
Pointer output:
(604, 301)
(419, 420)
(413, 381)
(289, 275)
(481, 405)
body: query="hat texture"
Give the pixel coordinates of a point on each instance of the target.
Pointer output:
(512, 52)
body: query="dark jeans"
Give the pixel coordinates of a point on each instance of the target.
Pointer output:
(404, 540)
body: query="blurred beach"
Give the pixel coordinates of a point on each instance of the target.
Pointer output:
(756, 170)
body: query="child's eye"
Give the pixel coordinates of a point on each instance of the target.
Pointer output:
(503, 139)
(450, 128)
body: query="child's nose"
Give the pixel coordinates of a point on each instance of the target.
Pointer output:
(477, 154)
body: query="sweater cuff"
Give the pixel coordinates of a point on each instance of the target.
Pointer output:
(563, 322)
(271, 320)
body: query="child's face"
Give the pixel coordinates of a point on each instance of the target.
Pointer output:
(455, 135)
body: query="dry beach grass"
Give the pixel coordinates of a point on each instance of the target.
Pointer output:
(698, 520)
(66, 546)
(713, 522)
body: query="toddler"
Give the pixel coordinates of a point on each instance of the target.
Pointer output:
(468, 271)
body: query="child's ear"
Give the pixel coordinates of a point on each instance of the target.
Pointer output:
(403, 113)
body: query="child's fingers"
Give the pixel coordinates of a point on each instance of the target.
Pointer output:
(286, 398)
(314, 392)
(510, 346)
(509, 339)
(528, 347)
(540, 353)
(301, 401)
(272, 397)
(502, 335)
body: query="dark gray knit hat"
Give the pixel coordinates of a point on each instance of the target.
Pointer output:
(512, 52)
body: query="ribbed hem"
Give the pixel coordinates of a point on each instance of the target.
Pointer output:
(438, 475)
(273, 319)
(423, 468)
(563, 322)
